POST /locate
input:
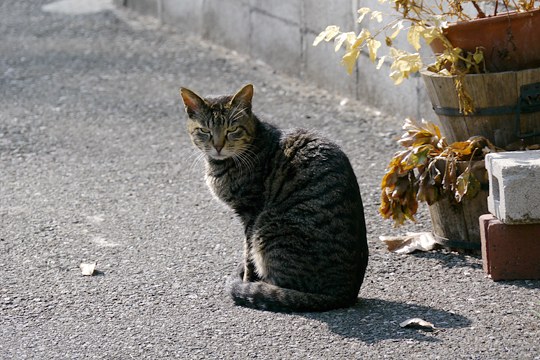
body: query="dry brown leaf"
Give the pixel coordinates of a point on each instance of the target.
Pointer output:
(410, 242)
(417, 323)
(413, 174)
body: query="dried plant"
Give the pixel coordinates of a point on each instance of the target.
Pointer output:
(413, 174)
(424, 22)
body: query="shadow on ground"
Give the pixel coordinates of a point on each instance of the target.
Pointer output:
(452, 260)
(374, 320)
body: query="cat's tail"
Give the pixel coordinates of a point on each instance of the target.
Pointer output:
(264, 296)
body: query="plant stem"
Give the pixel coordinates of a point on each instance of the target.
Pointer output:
(482, 14)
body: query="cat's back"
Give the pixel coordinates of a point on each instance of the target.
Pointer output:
(300, 145)
(308, 164)
(314, 216)
(313, 186)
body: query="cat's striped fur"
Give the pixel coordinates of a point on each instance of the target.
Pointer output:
(299, 201)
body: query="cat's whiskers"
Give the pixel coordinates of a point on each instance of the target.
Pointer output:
(197, 157)
(245, 158)
(238, 164)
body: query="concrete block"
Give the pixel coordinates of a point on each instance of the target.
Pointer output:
(514, 186)
(227, 23)
(319, 14)
(146, 7)
(510, 252)
(290, 10)
(377, 89)
(321, 64)
(278, 43)
(186, 15)
(323, 67)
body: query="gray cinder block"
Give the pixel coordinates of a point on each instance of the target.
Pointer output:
(514, 186)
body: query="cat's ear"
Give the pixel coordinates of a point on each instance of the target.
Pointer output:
(192, 102)
(243, 96)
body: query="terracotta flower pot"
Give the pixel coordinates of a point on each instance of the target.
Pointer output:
(510, 41)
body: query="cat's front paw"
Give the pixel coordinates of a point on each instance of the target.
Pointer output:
(240, 271)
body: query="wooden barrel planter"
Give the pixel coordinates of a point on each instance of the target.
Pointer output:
(455, 225)
(507, 112)
(507, 106)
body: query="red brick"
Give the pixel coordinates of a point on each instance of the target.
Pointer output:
(510, 252)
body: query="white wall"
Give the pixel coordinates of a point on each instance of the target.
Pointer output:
(281, 33)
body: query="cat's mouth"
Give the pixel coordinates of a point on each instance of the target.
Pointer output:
(218, 155)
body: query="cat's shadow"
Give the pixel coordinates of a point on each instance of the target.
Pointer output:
(374, 320)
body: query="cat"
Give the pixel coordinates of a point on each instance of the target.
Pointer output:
(297, 196)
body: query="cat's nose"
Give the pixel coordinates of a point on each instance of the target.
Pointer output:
(218, 148)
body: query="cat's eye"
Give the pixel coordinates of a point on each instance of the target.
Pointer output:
(203, 131)
(234, 132)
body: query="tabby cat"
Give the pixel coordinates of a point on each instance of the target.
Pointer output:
(297, 196)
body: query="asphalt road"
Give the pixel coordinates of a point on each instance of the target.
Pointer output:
(95, 166)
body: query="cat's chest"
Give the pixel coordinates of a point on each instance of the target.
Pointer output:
(219, 187)
(232, 189)
(245, 195)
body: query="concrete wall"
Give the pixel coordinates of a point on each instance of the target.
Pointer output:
(281, 33)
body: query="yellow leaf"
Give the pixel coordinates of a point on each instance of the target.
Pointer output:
(398, 27)
(466, 185)
(362, 11)
(381, 62)
(439, 21)
(397, 76)
(431, 33)
(452, 55)
(404, 64)
(445, 72)
(376, 15)
(478, 57)
(349, 59)
(339, 40)
(373, 45)
(348, 39)
(328, 34)
(413, 36)
(356, 42)
(363, 36)
(351, 40)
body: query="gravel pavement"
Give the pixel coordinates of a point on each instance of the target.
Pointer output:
(95, 166)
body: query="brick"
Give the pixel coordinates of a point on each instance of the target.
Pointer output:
(510, 252)
(514, 190)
